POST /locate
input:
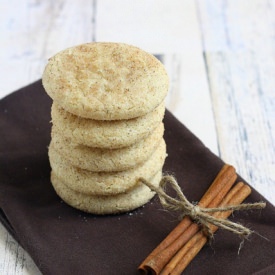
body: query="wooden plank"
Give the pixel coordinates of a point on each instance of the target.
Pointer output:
(239, 44)
(171, 29)
(156, 26)
(31, 36)
(14, 260)
(38, 31)
(189, 96)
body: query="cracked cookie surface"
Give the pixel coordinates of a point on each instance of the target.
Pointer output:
(106, 81)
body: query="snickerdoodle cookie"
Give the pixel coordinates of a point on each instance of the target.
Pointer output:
(106, 81)
(107, 130)
(113, 204)
(105, 183)
(106, 160)
(106, 134)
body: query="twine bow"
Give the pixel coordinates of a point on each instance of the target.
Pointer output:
(199, 214)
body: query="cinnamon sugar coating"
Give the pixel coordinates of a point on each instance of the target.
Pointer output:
(106, 81)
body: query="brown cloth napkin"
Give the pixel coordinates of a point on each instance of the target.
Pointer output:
(62, 240)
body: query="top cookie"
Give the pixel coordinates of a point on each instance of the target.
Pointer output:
(106, 81)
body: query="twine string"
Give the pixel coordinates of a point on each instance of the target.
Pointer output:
(199, 214)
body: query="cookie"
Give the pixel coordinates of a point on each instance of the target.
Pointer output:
(100, 205)
(109, 183)
(106, 134)
(106, 81)
(106, 160)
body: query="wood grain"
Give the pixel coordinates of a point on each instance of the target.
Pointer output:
(239, 53)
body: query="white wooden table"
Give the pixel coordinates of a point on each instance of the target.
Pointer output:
(220, 56)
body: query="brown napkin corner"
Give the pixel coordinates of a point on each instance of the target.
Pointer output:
(62, 240)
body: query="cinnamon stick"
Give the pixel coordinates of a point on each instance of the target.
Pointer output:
(181, 260)
(182, 233)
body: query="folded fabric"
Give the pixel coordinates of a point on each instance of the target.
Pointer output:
(63, 240)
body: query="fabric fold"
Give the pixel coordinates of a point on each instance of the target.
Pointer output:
(63, 240)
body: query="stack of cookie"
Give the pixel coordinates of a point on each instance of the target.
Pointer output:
(107, 130)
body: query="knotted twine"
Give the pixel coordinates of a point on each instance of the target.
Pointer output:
(199, 214)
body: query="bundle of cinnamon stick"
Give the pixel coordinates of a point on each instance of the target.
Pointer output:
(183, 243)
